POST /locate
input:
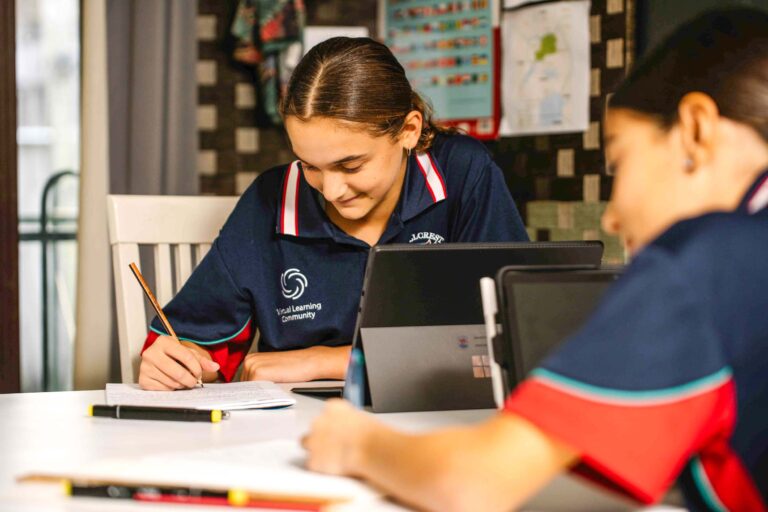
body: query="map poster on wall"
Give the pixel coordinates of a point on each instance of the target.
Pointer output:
(449, 50)
(545, 78)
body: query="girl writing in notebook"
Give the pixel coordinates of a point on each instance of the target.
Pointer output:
(668, 381)
(371, 168)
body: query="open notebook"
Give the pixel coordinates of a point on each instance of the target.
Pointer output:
(231, 396)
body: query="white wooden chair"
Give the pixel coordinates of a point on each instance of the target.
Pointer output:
(180, 229)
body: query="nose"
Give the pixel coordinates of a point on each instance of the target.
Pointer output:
(610, 221)
(334, 186)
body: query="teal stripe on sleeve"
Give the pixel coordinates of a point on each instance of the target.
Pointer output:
(644, 397)
(705, 488)
(198, 342)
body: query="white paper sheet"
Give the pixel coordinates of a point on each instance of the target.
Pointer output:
(546, 69)
(230, 396)
(263, 467)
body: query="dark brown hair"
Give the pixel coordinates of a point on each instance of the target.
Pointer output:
(357, 80)
(722, 53)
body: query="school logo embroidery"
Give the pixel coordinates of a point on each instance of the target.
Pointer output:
(293, 283)
(426, 238)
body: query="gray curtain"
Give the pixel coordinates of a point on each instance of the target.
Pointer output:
(152, 55)
(151, 63)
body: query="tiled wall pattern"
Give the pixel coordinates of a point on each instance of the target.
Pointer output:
(559, 181)
(233, 150)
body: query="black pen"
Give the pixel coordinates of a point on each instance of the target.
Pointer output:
(133, 412)
(194, 496)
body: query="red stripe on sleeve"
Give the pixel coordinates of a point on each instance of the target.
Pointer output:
(730, 480)
(228, 354)
(638, 450)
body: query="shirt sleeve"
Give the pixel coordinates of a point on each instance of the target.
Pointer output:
(487, 212)
(210, 310)
(642, 387)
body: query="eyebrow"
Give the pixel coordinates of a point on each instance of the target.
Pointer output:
(346, 159)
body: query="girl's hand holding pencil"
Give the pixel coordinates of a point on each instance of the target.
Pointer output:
(168, 364)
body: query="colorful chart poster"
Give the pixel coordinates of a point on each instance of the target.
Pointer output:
(545, 81)
(449, 50)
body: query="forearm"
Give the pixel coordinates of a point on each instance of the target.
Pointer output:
(330, 362)
(207, 376)
(484, 467)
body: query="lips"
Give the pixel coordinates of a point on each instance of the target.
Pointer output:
(347, 202)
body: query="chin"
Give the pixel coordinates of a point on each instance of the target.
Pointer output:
(352, 212)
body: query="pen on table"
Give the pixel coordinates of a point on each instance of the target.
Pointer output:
(190, 496)
(134, 412)
(156, 306)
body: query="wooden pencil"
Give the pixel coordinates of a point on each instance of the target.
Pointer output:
(156, 305)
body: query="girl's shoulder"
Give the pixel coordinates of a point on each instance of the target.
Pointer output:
(258, 203)
(458, 146)
(462, 159)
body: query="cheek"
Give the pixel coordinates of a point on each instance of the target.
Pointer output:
(377, 180)
(314, 180)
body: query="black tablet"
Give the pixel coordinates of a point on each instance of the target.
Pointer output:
(539, 309)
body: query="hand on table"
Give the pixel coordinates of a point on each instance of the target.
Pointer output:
(336, 441)
(168, 365)
(300, 365)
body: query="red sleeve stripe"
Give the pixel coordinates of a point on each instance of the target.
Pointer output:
(639, 449)
(229, 354)
(626, 398)
(723, 482)
(289, 207)
(434, 180)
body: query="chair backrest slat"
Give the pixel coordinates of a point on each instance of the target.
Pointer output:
(200, 252)
(131, 318)
(163, 277)
(183, 258)
(177, 227)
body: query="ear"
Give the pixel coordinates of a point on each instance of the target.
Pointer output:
(698, 119)
(411, 130)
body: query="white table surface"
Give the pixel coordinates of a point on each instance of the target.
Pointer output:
(37, 429)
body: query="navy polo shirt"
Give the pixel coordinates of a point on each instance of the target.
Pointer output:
(669, 378)
(281, 266)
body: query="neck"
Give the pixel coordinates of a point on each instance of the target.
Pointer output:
(743, 176)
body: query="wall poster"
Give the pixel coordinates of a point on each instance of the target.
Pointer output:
(450, 52)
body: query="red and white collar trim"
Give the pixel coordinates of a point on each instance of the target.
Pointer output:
(759, 199)
(435, 183)
(289, 206)
(289, 209)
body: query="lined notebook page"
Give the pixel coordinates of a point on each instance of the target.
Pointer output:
(230, 396)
